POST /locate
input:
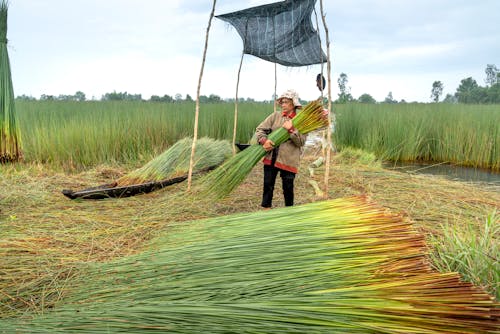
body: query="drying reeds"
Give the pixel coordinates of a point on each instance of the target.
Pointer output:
(340, 266)
(10, 138)
(229, 175)
(174, 161)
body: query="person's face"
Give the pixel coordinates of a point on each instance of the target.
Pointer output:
(287, 105)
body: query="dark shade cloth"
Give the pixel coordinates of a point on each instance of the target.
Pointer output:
(280, 32)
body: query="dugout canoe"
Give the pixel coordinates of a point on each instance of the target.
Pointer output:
(110, 190)
(241, 147)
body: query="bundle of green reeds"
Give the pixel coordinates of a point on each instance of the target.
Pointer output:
(174, 161)
(10, 137)
(340, 266)
(227, 177)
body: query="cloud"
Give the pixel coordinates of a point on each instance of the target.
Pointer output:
(156, 47)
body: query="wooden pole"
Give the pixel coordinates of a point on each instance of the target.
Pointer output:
(332, 115)
(197, 110)
(236, 104)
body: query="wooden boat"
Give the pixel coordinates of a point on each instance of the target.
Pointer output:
(241, 147)
(110, 190)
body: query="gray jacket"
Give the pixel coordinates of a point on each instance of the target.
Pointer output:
(289, 152)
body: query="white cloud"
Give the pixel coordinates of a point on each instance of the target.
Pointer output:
(156, 46)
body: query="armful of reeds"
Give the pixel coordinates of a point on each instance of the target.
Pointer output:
(223, 180)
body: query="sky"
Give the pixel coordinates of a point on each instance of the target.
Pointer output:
(155, 47)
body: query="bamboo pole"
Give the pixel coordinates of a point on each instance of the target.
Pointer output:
(332, 115)
(236, 103)
(197, 108)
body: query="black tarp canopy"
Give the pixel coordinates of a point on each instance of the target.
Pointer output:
(280, 32)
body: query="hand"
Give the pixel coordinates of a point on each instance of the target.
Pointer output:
(268, 145)
(288, 125)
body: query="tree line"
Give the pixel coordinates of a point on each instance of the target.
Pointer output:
(469, 91)
(125, 96)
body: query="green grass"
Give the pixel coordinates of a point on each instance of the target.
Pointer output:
(474, 252)
(467, 135)
(79, 135)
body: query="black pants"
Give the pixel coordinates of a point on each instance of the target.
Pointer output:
(287, 178)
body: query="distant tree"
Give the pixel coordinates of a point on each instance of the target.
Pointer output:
(366, 98)
(214, 98)
(45, 97)
(26, 98)
(493, 93)
(345, 92)
(492, 75)
(121, 97)
(466, 91)
(167, 98)
(63, 97)
(135, 97)
(178, 97)
(164, 98)
(390, 99)
(203, 99)
(437, 90)
(189, 98)
(114, 96)
(450, 99)
(480, 95)
(80, 96)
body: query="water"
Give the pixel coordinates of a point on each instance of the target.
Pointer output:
(452, 172)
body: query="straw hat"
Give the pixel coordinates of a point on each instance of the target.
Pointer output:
(292, 95)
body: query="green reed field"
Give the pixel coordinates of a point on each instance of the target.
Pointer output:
(467, 135)
(77, 135)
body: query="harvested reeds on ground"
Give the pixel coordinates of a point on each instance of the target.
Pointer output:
(43, 236)
(175, 161)
(227, 177)
(338, 266)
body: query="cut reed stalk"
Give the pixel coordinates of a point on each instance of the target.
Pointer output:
(176, 161)
(341, 266)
